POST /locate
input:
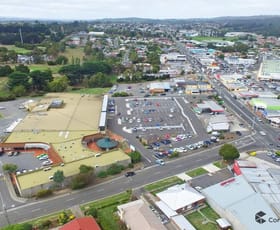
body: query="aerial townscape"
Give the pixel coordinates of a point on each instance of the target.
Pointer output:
(135, 123)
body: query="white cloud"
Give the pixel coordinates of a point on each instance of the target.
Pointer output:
(92, 9)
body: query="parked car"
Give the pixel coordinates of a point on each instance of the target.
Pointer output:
(44, 157)
(238, 133)
(47, 162)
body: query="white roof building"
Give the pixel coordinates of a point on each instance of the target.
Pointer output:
(180, 197)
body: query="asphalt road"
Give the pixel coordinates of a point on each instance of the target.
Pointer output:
(148, 175)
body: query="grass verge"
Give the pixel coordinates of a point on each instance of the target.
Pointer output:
(163, 184)
(220, 164)
(97, 91)
(106, 209)
(196, 172)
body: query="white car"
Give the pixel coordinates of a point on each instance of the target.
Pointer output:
(262, 133)
(48, 162)
(160, 162)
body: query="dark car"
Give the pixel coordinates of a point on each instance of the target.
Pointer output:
(130, 174)
(238, 133)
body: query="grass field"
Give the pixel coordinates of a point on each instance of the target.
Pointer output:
(18, 50)
(106, 209)
(202, 38)
(220, 164)
(77, 52)
(199, 221)
(163, 184)
(97, 91)
(42, 67)
(196, 172)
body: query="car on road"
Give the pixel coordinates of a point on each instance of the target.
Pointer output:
(160, 162)
(262, 133)
(130, 173)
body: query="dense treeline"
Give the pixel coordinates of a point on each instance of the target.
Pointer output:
(266, 25)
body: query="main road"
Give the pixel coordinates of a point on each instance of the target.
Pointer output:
(34, 209)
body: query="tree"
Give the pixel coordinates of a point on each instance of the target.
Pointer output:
(61, 60)
(40, 79)
(135, 157)
(19, 90)
(79, 181)
(22, 68)
(5, 70)
(18, 79)
(85, 169)
(229, 152)
(10, 168)
(58, 177)
(59, 84)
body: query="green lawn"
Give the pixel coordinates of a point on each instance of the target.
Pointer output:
(18, 50)
(163, 184)
(77, 52)
(42, 67)
(220, 164)
(98, 91)
(106, 209)
(196, 172)
(199, 222)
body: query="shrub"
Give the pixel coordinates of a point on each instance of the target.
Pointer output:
(92, 211)
(135, 157)
(130, 165)
(63, 218)
(102, 174)
(45, 224)
(120, 94)
(44, 193)
(79, 181)
(115, 169)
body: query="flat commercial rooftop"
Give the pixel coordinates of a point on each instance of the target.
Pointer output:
(80, 112)
(39, 177)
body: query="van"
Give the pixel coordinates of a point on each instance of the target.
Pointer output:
(97, 155)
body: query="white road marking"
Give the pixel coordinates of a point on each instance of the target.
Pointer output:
(36, 210)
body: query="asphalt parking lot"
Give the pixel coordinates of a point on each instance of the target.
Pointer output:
(10, 112)
(161, 116)
(24, 161)
(209, 179)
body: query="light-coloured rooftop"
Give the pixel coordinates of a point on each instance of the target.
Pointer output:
(80, 112)
(42, 177)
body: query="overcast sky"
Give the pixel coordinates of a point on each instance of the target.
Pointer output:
(158, 9)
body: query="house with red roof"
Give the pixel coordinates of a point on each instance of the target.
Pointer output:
(83, 223)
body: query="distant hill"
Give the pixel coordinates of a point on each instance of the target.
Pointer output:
(263, 24)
